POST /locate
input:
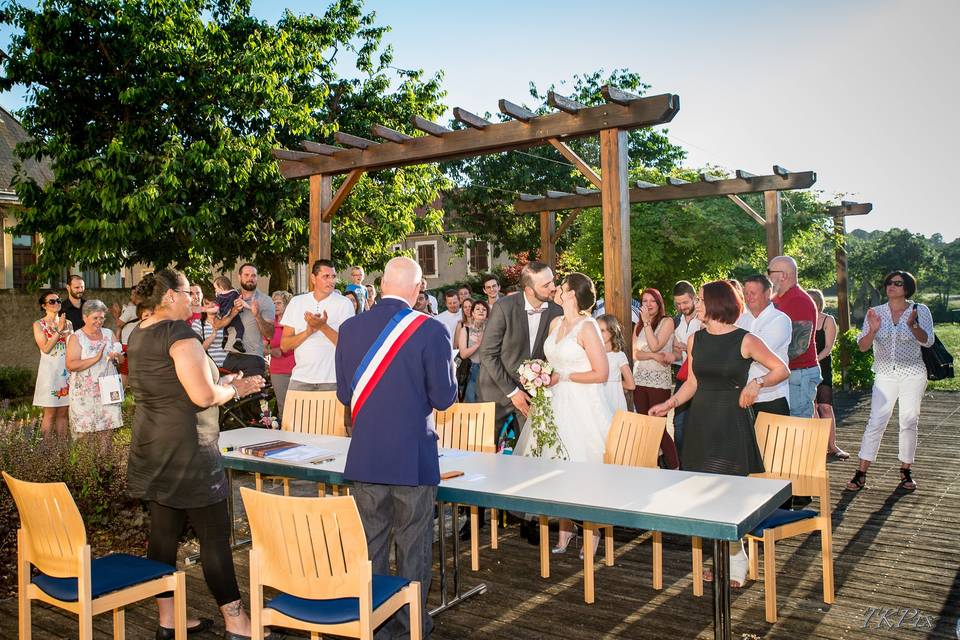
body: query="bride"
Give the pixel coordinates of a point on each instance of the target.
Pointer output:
(575, 349)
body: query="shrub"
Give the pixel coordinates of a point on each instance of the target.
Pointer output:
(94, 473)
(859, 373)
(15, 382)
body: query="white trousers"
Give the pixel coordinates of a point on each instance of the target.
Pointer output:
(886, 392)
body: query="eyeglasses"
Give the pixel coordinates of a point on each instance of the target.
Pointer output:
(895, 283)
(53, 301)
(770, 272)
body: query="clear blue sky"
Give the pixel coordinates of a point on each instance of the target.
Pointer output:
(861, 91)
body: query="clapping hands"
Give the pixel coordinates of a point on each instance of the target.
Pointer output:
(316, 321)
(873, 320)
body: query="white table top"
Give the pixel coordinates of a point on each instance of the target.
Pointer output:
(706, 505)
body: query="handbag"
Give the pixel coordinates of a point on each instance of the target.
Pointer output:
(938, 360)
(683, 372)
(111, 389)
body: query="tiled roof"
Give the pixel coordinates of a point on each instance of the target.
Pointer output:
(12, 133)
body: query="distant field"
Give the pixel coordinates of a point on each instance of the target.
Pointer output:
(950, 337)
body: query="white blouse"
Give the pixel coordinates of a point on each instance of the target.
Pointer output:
(896, 351)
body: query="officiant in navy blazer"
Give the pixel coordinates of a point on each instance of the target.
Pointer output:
(394, 367)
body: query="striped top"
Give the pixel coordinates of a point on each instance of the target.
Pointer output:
(203, 331)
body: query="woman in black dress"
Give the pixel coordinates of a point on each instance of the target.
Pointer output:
(719, 435)
(826, 337)
(174, 463)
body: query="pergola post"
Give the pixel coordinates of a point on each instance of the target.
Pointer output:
(548, 229)
(774, 225)
(321, 194)
(843, 296)
(615, 203)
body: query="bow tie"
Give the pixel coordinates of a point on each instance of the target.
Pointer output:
(533, 312)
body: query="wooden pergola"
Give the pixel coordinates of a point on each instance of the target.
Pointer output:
(839, 215)
(675, 189)
(621, 112)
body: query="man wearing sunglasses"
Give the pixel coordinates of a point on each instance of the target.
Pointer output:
(802, 350)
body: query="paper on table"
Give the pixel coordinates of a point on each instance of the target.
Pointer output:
(303, 453)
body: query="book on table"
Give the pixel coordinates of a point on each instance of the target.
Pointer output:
(285, 451)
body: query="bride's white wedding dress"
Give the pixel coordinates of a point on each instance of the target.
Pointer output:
(582, 412)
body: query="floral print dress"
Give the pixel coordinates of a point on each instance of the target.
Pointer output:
(87, 413)
(53, 388)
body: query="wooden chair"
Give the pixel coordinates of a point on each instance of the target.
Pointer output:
(313, 412)
(793, 449)
(633, 441)
(314, 552)
(52, 538)
(471, 427)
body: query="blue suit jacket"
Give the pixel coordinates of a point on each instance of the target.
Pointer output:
(394, 440)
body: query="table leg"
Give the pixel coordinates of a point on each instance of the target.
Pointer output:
(588, 533)
(458, 597)
(721, 590)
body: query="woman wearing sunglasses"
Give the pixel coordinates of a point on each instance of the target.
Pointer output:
(52, 391)
(895, 331)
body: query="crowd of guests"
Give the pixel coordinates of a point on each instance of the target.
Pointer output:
(730, 350)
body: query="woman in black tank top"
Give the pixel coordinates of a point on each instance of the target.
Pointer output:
(826, 336)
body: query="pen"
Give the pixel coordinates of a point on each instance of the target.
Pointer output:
(322, 460)
(226, 449)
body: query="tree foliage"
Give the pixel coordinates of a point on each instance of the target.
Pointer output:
(486, 186)
(159, 116)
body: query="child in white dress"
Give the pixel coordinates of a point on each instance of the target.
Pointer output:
(619, 378)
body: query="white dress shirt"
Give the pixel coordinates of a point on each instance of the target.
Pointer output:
(683, 331)
(533, 319)
(774, 328)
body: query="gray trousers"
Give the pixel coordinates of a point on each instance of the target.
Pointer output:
(299, 385)
(404, 516)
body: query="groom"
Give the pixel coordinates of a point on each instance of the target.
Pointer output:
(515, 331)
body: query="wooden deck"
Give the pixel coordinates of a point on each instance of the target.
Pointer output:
(894, 552)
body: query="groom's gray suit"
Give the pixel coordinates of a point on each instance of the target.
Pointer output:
(505, 345)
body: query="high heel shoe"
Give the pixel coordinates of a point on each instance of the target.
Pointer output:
(562, 548)
(165, 633)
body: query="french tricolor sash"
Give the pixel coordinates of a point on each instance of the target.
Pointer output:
(381, 353)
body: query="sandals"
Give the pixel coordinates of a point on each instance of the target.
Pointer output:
(858, 482)
(906, 480)
(738, 570)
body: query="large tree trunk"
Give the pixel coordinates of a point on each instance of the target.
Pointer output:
(279, 273)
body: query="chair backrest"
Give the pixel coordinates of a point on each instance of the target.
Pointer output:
(470, 426)
(314, 412)
(308, 547)
(53, 530)
(634, 439)
(795, 449)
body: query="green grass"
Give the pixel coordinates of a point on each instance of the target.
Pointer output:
(949, 334)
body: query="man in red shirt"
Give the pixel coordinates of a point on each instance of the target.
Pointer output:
(802, 351)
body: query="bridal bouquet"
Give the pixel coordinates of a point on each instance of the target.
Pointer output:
(535, 376)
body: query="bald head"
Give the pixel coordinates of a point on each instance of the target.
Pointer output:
(783, 273)
(401, 278)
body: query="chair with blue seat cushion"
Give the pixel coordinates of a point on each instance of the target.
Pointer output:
(314, 552)
(793, 449)
(52, 538)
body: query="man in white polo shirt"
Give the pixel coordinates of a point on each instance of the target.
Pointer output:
(311, 323)
(763, 320)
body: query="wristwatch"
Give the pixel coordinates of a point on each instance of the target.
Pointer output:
(759, 380)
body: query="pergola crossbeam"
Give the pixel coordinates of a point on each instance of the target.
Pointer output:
(745, 175)
(557, 194)
(676, 182)
(564, 103)
(750, 211)
(352, 178)
(618, 96)
(648, 192)
(391, 135)
(583, 191)
(470, 119)
(443, 144)
(642, 184)
(565, 225)
(288, 154)
(515, 111)
(427, 126)
(350, 140)
(847, 208)
(319, 147)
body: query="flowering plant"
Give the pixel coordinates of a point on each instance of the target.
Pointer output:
(535, 377)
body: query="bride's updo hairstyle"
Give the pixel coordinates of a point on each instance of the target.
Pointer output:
(150, 290)
(583, 288)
